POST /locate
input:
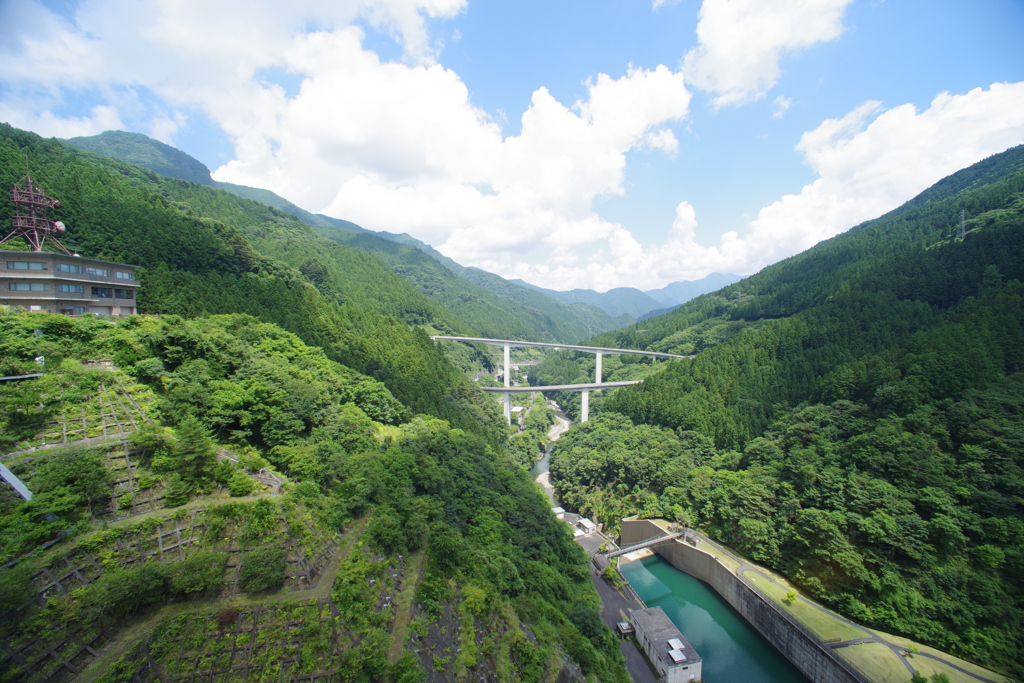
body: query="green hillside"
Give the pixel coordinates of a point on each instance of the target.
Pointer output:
(277, 477)
(619, 301)
(192, 242)
(493, 306)
(852, 418)
(297, 522)
(144, 151)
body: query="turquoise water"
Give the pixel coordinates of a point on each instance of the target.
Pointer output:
(730, 647)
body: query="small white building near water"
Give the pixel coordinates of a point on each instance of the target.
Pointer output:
(675, 659)
(586, 526)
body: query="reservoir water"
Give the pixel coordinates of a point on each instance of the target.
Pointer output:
(732, 650)
(730, 647)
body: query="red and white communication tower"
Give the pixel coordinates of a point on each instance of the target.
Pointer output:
(30, 220)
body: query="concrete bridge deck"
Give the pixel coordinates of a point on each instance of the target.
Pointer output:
(585, 389)
(561, 387)
(558, 347)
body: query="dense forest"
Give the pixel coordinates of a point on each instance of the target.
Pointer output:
(852, 417)
(273, 459)
(196, 265)
(354, 457)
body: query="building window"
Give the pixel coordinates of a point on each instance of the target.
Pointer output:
(121, 275)
(68, 268)
(27, 286)
(100, 272)
(79, 310)
(74, 289)
(101, 292)
(124, 294)
(26, 265)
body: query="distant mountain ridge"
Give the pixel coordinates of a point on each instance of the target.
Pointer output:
(486, 302)
(637, 304)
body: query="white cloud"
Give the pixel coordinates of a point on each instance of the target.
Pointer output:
(868, 162)
(101, 118)
(782, 105)
(742, 41)
(868, 167)
(393, 145)
(400, 146)
(544, 180)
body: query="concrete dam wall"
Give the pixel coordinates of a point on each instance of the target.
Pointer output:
(792, 639)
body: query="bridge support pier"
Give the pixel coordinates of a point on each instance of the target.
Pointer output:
(508, 395)
(598, 373)
(585, 408)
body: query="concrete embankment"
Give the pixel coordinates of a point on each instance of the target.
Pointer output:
(792, 639)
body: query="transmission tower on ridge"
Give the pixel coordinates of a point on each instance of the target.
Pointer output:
(961, 232)
(30, 218)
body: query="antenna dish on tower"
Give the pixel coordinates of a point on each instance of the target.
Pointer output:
(30, 218)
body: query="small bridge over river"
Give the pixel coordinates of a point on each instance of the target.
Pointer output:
(597, 385)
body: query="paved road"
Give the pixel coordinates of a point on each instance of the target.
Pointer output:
(615, 607)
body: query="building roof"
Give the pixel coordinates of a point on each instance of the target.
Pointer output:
(669, 643)
(29, 253)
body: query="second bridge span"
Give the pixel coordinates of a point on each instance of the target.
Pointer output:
(599, 352)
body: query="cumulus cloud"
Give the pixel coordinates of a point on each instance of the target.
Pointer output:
(539, 186)
(393, 145)
(400, 146)
(868, 165)
(868, 162)
(742, 41)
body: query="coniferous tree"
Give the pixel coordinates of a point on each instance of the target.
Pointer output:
(194, 455)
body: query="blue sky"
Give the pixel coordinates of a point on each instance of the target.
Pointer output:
(573, 144)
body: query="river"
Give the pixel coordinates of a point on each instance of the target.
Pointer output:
(731, 648)
(539, 472)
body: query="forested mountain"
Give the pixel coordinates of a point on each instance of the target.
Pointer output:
(201, 251)
(165, 160)
(852, 417)
(501, 310)
(144, 151)
(484, 302)
(394, 546)
(627, 301)
(278, 477)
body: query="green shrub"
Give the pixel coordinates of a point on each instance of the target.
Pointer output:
(120, 592)
(201, 571)
(240, 485)
(262, 569)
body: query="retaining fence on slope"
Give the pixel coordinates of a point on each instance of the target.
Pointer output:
(794, 640)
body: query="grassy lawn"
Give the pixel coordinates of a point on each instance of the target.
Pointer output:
(723, 558)
(822, 624)
(877, 662)
(928, 667)
(922, 662)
